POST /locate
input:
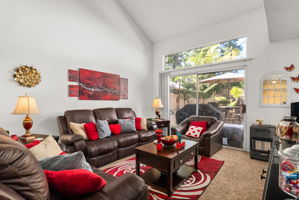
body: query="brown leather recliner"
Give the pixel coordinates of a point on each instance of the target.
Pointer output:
(102, 151)
(21, 177)
(211, 141)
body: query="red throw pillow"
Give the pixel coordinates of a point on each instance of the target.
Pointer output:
(202, 124)
(74, 182)
(91, 131)
(115, 129)
(32, 144)
(138, 123)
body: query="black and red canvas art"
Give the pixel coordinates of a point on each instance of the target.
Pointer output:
(95, 85)
(73, 90)
(123, 88)
(73, 75)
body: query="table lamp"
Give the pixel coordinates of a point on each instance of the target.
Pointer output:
(26, 105)
(157, 104)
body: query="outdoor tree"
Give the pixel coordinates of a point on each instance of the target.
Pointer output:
(236, 92)
(186, 85)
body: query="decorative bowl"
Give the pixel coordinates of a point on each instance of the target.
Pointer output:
(169, 140)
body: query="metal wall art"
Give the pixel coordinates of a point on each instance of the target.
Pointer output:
(27, 76)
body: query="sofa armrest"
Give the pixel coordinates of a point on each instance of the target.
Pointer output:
(128, 186)
(72, 143)
(182, 127)
(212, 131)
(8, 194)
(70, 139)
(215, 127)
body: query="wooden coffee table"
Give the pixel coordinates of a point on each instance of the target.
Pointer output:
(169, 169)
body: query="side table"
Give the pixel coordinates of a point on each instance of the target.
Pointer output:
(161, 123)
(39, 136)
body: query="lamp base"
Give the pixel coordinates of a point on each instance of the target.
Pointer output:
(158, 116)
(27, 123)
(27, 138)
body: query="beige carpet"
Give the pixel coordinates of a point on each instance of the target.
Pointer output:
(238, 179)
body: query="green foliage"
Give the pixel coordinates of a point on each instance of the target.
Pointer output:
(221, 100)
(209, 54)
(234, 103)
(236, 92)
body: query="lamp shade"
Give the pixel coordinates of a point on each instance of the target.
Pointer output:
(26, 105)
(157, 103)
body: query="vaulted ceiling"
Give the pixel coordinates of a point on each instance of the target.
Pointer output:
(162, 19)
(282, 19)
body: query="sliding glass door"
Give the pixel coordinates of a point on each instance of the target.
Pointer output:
(219, 94)
(182, 93)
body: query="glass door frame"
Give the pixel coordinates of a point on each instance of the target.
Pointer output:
(164, 90)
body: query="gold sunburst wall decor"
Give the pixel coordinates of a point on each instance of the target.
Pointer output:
(27, 76)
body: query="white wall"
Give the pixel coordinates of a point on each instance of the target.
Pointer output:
(266, 57)
(57, 35)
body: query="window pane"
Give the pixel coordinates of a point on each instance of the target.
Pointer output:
(220, 52)
(182, 92)
(274, 89)
(271, 100)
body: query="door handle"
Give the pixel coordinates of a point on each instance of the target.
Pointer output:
(243, 108)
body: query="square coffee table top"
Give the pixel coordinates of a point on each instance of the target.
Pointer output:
(167, 152)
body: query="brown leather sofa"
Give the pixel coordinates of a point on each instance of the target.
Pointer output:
(211, 141)
(102, 151)
(21, 177)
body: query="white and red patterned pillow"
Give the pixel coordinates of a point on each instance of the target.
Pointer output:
(194, 131)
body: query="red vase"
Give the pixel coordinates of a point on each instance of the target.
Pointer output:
(159, 147)
(159, 138)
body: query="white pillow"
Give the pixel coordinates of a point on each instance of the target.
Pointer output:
(194, 131)
(143, 124)
(47, 147)
(78, 129)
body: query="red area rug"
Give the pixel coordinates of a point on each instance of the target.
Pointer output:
(192, 188)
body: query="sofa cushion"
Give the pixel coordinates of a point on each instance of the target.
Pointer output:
(126, 139)
(124, 113)
(91, 131)
(103, 129)
(108, 114)
(48, 147)
(99, 147)
(140, 123)
(115, 129)
(202, 124)
(127, 125)
(145, 136)
(194, 131)
(74, 160)
(82, 182)
(78, 129)
(79, 116)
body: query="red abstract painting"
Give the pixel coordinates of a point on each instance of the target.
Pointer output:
(123, 88)
(73, 90)
(73, 75)
(95, 85)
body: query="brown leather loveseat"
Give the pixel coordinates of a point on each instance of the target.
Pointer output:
(211, 141)
(21, 177)
(102, 151)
